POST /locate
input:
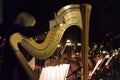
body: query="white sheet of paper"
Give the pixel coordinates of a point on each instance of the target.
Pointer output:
(58, 72)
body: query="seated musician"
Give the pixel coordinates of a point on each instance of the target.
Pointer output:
(25, 25)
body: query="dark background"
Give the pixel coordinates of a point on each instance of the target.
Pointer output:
(104, 22)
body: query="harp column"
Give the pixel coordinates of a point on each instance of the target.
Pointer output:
(85, 11)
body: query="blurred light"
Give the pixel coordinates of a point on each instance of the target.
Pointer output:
(59, 45)
(104, 51)
(79, 44)
(68, 44)
(68, 41)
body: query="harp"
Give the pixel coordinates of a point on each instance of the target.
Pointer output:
(73, 14)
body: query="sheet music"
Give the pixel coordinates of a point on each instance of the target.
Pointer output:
(58, 72)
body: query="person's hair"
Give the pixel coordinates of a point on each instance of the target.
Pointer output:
(25, 19)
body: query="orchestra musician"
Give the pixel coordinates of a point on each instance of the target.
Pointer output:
(25, 25)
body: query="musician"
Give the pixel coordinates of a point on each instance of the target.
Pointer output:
(25, 25)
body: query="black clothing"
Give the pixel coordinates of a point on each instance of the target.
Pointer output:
(27, 31)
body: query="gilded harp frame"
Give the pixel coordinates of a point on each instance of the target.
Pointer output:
(73, 14)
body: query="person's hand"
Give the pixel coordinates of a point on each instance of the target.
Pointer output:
(56, 21)
(59, 20)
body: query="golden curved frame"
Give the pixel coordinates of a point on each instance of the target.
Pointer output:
(73, 14)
